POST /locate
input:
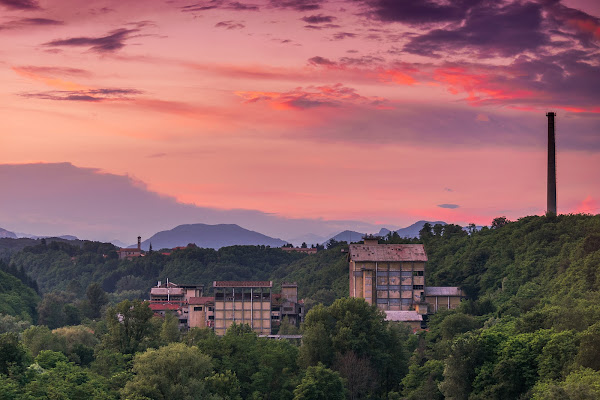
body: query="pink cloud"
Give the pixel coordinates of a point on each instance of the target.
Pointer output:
(588, 206)
(313, 96)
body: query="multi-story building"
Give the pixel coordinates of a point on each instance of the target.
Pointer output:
(392, 276)
(286, 305)
(243, 302)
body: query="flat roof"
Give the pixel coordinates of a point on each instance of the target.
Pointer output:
(243, 284)
(200, 300)
(403, 316)
(443, 291)
(387, 252)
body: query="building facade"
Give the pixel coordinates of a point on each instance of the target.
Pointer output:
(243, 302)
(392, 277)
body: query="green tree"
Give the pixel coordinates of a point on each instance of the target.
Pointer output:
(320, 383)
(169, 331)
(13, 356)
(96, 299)
(175, 371)
(38, 338)
(128, 325)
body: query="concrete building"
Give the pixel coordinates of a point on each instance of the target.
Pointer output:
(392, 276)
(243, 302)
(442, 298)
(286, 305)
(201, 312)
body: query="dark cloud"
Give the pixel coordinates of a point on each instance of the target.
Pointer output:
(318, 60)
(343, 35)
(157, 155)
(236, 5)
(115, 40)
(220, 4)
(90, 95)
(451, 206)
(230, 25)
(20, 4)
(419, 12)
(318, 19)
(448, 190)
(320, 27)
(29, 22)
(489, 31)
(299, 5)
(361, 61)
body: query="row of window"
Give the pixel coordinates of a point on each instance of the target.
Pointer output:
(400, 287)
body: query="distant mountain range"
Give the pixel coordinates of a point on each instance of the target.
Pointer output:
(209, 236)
(16, 235)
(411, 231)
(7, 234)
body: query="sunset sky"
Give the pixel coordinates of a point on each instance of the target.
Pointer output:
(381, 111)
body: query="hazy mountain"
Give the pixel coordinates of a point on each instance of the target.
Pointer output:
(50, 198)
(7, 234)
(348, 236)
(209, 236)
(30, 236)
(383, 232)
(413, 230)
(309, 239)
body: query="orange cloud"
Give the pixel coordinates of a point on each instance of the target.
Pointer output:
(45, 76)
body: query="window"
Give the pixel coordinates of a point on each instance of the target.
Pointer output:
(198, 308)
(418, 273)
(417, 287)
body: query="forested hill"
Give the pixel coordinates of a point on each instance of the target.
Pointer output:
(531, 329)
(18, 297)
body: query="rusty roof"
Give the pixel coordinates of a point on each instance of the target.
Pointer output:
(387, 252)
(243, 284)
(200, 300)
(163, 306)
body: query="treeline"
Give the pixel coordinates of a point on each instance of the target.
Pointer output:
(57, 266)
(130, 354)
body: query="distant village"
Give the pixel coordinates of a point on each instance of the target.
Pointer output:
(390, 276)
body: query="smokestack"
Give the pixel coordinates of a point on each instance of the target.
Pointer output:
(551, 209)
(139, 242)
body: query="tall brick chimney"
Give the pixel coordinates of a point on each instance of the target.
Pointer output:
(139, 242)
(551, 207)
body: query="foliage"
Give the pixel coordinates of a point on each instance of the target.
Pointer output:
(175, 371)
(129, 326)
(320, 383)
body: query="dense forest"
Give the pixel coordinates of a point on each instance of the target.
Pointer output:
(528, 330)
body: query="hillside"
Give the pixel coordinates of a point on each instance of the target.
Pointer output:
(209, 236)
(16, 297)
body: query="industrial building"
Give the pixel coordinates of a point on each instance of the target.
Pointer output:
(240, 302)
(392, 276)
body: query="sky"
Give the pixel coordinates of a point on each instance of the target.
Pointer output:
(320, 111)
